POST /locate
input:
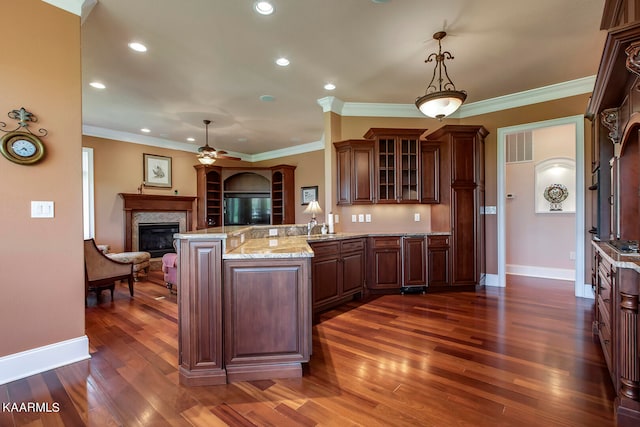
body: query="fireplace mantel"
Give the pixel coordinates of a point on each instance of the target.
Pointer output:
(154, 203)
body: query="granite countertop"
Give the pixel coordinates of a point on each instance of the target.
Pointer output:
(619, 260)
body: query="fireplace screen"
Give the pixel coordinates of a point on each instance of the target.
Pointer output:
(157, 238)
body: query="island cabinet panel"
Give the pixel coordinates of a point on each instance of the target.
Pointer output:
(337, 272)
(386, 263)
(267, 320)
(355, 162)
(200, 313)
(438, 263)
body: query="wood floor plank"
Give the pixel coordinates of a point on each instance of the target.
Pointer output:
(497, 357)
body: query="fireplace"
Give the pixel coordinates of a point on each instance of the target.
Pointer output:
(157, 238)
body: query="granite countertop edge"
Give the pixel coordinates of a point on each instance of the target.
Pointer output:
(616, 258)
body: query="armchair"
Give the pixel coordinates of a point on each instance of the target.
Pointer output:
(170, 270)
(101, 272)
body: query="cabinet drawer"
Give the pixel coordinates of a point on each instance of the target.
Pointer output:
(386, 242)
(352, 245)
(325, 249)
(438, 241)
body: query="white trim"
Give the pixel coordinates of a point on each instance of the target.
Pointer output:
(491, 280)
(519, 99)
(20, 365)
(72, 6)
(289, 151)
(587, 291)
(88, 195)
(544, 272)
(578, 121)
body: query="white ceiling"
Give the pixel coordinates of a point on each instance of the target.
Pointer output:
(213, 59)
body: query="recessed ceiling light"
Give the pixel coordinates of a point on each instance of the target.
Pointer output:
(242, 139)
(191, 139)
(329, 86)
(145, 130)
(283, 62)
(381, 1)
(97, 85)
(138, 47)
(263, 7)
(267, 98)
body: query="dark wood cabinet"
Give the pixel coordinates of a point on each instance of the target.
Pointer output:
(430, 174)
(438, 262)
(414, 261)
(282, 195)
(355, 163)
(614, 108)
(461, 151)
(210, 199)
(397, 164)
(337, 272)
(385, 267)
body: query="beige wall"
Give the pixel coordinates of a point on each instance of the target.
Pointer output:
(42, 283)
(536, 239)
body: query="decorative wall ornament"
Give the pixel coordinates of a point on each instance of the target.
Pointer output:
(633, 58)
(609, 119)
(20, 145)
(555, 194)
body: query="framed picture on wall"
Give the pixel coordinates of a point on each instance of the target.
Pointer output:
(157, 171)
(308, 194)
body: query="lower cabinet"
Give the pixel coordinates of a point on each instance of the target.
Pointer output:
(337, 272)
(398, 263)
(438, 262)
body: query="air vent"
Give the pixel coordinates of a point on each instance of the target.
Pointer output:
(519, 147)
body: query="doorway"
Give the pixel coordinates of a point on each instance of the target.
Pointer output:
(581, 289)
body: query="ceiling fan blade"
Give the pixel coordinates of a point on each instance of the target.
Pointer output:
(228, 157)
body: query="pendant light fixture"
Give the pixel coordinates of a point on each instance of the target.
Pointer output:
(207, 154)
(441, 97)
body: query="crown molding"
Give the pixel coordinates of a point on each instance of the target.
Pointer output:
(520, 99)
(183, 146)
(71, 6)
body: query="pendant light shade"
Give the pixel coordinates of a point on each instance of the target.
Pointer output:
(442, 100)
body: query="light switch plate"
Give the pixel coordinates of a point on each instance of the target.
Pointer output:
(367, 218)
(273, 232)
(360, 217)
(416, 217)
(354, 218)
(41, 209)
(336, 219)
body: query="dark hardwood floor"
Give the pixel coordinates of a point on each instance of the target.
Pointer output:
(520, 356)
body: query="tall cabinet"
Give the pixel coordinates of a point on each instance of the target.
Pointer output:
(461, 153)
(614, 109)
(282, 194)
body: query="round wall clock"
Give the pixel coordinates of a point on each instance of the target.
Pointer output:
(22, 148)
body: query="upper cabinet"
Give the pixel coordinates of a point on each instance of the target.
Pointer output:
(397, 163)
(282, 194)
(355, 171)
(389, 166)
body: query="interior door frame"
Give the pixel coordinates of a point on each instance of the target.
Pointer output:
(581, 288)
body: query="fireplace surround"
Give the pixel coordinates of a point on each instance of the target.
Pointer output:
(148, 208)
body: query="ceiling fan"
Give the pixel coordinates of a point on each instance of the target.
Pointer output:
(208, 155)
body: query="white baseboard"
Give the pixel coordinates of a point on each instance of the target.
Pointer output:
(491, 280)
(544, 272)
(30, 362)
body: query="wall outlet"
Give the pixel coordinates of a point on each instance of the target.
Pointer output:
(360, 217)
(273, 232)
(354, 218)
(572, 255)
(416, 217)
(336, 219)
(490, 210)
(367, 218)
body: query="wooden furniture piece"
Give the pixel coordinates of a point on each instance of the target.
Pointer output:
(267, 318)
(614, 109)
(397, 264)
(397, 163)
(283, 195)
(461, 151)
(337, 272)
(438, 263)
(430, 173)
(101, 272)
(209, 191)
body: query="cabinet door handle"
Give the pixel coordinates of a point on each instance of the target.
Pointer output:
(606, 300)
(606, 342)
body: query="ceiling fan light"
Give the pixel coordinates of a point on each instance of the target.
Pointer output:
(439, 105)
(206, 159)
